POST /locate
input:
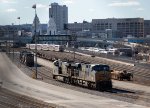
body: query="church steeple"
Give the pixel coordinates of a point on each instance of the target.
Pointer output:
(51, 28)
(36, 22)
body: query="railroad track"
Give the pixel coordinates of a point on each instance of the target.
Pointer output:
(141, 74)
(116, 93)
(139, 71)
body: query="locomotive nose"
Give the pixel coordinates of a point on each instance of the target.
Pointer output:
(103, 80)
(102, 76)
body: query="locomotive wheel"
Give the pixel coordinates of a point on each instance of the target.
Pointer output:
(89, 85)
(129, 79)
(99, 87)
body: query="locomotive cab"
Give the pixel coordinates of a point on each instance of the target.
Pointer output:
(102, 76)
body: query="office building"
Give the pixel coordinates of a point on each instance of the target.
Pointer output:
(60, 15)
(123, 27)
(118, 28)
(133, 27)
(75, 27)
(147, 28)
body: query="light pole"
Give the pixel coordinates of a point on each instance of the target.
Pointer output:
(74, 38)
(18, 35)
(13, 39)
(19, 30)
(19, 22)
(9, 42)
(35, 38)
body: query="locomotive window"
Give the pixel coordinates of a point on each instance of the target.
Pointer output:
(86, 66)
(106, 68)
(101, 68)
(56, 63)
(79, 67)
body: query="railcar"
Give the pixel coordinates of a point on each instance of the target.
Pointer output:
(48, 47)
(39, 46)
(28, 46)
(58, 48)
(32, 46)
(91, 75)
(51, 47)
(27, 58)
(45, 47)
(121, 75)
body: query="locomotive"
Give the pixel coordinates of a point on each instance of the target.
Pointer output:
(91, 75)
(27, 58)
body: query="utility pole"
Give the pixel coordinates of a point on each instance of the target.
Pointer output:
(35, 38)
(13, 46)
(74, 38)
(19, 29)
(9, 42)
(18, 35)
(13, 41)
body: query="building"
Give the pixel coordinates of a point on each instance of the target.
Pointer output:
(36, 26)
(76, 27)
(109, 33)
(8, 31)
(131, 27)
(147, 28)
(122, 27)
(81, 29)
(116, 27)
(51, 28)
(100, 25)
(60, 15)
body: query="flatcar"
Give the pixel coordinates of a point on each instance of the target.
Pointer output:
(91, 75)
(121, 75)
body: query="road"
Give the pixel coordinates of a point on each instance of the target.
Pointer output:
(15, 80)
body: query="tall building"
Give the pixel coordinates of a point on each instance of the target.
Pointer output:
(60, 15)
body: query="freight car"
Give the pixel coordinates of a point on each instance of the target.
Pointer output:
(27, 58)
(47, 47)
(121, 75)
(91, 75)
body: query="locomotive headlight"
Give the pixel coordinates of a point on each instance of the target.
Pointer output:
(92, 78)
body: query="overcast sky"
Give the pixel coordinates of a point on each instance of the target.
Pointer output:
(79, 10)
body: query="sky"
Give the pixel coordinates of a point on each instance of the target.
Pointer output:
(78, 10)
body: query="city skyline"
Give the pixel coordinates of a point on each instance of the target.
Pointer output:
(77, 10)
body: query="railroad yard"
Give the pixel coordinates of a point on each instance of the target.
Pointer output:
(61, 56)
(134, 93)
(140, 73)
